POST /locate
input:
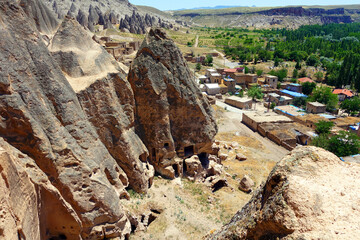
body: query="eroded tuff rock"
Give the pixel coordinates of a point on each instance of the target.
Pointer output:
(107, 13)
(44, 209)
(42, 117)
(173, 117)
(106, 97)
(67, 130)
(138, 24)
(310, 194)
(44, 18)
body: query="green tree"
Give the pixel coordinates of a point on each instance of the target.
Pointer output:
(295, 73)
(302, 73)
(308, 87)
(324, 95)
(198, 66)
(351, 105)
(344, 144)
(312, 60)
(299, 101)
(298, 65)
(321, 141)
(208, 60)
(281, 74)
(323, 127)
(319, 76)
(255, 93)
(276, 61)
(259, 72)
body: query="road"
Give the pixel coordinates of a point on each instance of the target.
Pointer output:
(226, 62)
(196, 41)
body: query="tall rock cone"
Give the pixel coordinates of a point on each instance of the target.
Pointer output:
(105, 96)
(173, 117)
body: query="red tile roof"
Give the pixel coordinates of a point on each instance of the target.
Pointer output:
(343, 91)
(230, 70)
(305, 79)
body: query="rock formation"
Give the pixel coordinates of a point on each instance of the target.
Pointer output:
(138, 24)
(44, 19)
(286, 17)
(310, 194)
(71, 131)
(107, 13)
(42, 117)
(173, 117)
(106, 97)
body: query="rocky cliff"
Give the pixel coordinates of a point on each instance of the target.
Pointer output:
(42, 117)
(107, 13)
(138, 24)
(173, 117)
(71, 137)
(310, 194)
(287, 17)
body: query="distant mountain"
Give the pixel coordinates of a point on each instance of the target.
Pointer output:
(270, 17)
(216, 7)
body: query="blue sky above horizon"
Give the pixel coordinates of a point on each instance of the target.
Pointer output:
(174, 5)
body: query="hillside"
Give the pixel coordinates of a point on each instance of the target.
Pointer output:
(270, 17)
(109, 13)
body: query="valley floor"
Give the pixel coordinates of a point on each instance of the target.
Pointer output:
(192, 210)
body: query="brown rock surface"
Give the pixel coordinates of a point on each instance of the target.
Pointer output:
(42, 117)
(30, 206)
(106, 97)
(246, 184)
(310, 194)
(173, 116)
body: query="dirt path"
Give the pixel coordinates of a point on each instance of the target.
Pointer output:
(196, 41)
(225, 62)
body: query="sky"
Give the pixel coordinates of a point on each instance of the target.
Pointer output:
(179, 4)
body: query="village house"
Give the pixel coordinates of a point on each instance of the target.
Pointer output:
(215, 77)
(343, 94)
(230, 83)
(245, 79)
(295, 87)
(213, 54)
(346, 122)
(271, 80)
(188, 57)
(287, 135)
(135, 45)
(229, 72)
(242, 103)
(279, 100)
(212, 88)
(223, 88)
(304, 80)
(290, 111)
(254, 119)
(315, 107)
(199, 59)
(116, 51)
(208, 71)
(203, 79)
(291, 94)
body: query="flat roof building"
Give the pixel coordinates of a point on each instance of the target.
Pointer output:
(242, 103)
(212, 88)
(315, 107)
(291, 93)
(253, 119)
